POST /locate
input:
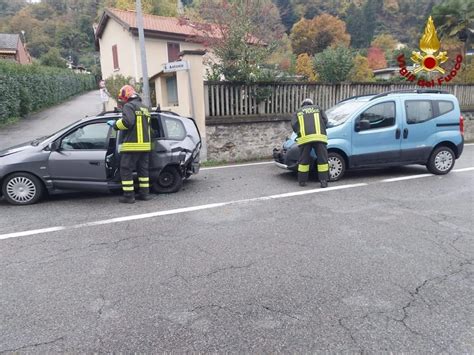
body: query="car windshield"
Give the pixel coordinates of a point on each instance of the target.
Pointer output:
(342, 111)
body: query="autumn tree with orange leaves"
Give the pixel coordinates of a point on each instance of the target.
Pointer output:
(376, 58)
(314, 36)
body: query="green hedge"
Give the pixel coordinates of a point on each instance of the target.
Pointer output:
(28, 88)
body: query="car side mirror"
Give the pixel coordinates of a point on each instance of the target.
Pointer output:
(362, 125)
(54, 146)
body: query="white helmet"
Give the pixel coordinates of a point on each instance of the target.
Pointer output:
(307, 102)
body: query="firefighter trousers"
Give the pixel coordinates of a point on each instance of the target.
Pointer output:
(128, 163)
(321, 163)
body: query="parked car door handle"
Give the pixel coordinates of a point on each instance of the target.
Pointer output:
(405, 133)
(94, 163)
(398, 133)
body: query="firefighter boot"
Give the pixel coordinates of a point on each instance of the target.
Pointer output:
(324, 184)
(128, 197)
(144, 195)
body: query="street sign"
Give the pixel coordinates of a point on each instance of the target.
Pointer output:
(176, 66)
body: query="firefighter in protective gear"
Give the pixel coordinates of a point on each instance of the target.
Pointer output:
(309, 123)
(135, 146)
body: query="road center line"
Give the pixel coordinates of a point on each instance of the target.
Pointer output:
(177, 211)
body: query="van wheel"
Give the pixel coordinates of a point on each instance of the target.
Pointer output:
(169, 180)
(22, 189)
(337, 166)
(441, 161)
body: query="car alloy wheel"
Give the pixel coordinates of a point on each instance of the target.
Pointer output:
(336, 166)
(443, 160)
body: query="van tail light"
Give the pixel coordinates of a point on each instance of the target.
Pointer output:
(461, 125)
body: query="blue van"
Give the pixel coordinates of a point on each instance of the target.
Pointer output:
(393, 128)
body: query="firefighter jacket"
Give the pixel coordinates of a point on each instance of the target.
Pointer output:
(309, 123)
(135, 123)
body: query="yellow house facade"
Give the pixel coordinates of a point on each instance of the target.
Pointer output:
(165, 39)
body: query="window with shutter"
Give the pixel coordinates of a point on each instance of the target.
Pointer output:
(173, 51)
(115, 57)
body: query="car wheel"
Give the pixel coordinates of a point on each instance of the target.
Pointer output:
(337, 166)
(441, 161)
(169, 180)
(22, 189)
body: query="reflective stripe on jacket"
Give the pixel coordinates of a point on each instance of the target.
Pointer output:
(135, 124)
(309, 124)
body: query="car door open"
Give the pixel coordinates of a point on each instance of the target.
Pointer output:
(79, 163)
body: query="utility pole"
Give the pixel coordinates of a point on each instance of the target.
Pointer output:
(141, 39)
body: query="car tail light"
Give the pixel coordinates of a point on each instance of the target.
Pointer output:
(461, 125)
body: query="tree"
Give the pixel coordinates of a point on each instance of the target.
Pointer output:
(155, 7)
(314, 36)
(376, 58)
(454, 17)
(356, 26)
(361, 71)
(302, 36)
(281, 57)
(385, 41)
(242, 34)
(287, 14)
(467, 74)
(304, 67)
(71, 41)
(53, 59)
(333, 64)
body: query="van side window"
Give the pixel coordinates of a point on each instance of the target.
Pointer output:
(418, 111)
(444, 107)
(380, 115)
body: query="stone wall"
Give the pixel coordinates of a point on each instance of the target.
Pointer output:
(468, 126)
(245, 139)
(255, 137)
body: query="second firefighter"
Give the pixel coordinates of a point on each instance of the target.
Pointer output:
(309, 123)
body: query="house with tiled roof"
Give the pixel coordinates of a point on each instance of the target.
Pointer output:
(12, 48)
(165, 39)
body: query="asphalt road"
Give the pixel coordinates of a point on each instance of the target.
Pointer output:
(244, 260)
(50, 120)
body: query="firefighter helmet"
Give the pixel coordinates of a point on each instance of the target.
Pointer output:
(307, 102)
(126, 92)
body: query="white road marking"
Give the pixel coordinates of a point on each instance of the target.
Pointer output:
(209, 206)
(468, 144)
(424, 175)
(462, 170)
(236, 165)
(407, 177)
(177, 211)
(31, 232)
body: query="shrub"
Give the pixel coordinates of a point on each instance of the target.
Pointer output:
(28, 88)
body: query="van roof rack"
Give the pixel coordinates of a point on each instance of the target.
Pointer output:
(355, 97)
(410, 91)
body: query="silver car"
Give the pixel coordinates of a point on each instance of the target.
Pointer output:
(84, 157)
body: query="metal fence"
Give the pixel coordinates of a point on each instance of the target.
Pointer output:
(237, 100)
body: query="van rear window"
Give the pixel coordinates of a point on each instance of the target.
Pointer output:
(444, 107)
